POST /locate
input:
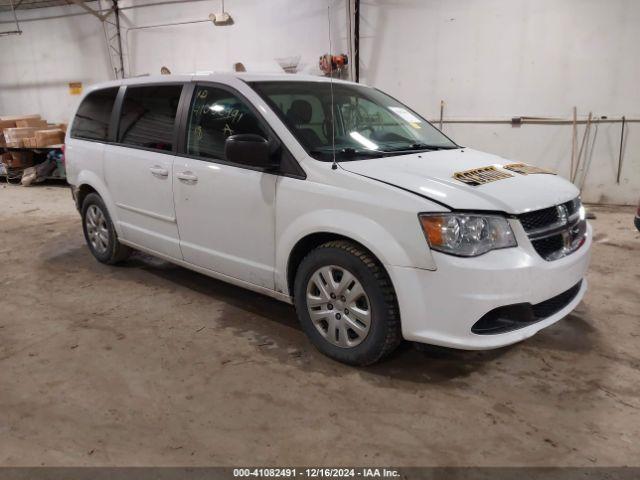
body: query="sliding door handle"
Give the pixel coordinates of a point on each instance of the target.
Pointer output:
(158, 171)
(187, 177)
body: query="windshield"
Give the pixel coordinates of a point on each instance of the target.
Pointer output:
(368, 123)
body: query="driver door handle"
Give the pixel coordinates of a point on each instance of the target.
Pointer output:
(187, 177)
(158, 171)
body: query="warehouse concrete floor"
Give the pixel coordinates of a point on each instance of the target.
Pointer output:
(151, 364)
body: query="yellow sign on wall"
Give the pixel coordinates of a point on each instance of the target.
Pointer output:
(75, 88)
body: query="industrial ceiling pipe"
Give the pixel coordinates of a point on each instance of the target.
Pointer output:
(116, 12)
(356, 39)
(106, 11)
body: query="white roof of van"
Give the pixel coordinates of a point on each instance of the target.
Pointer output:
(221, 77)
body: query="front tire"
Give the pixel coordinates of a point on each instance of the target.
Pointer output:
(99, 232)
(346, 304)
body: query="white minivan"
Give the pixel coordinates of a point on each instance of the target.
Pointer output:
(332, 196)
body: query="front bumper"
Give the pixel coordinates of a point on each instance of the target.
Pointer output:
(440, 307)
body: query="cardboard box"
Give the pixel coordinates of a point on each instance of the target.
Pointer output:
(5, 124)
(19, 160)
(14, 136)
(62, 126)
(10, 122)
(19, 117)
(31, 122)
(45, 138)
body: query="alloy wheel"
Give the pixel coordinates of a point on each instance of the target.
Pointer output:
(97, 229)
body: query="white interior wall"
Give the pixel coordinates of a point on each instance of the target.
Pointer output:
(262, 31)
(50, 53)
(36, 67)
(504, 59)
(484, 58)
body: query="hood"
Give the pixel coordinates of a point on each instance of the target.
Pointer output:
(430, 174)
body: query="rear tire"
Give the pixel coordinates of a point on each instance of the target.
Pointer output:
(346, 304)
(99, 232)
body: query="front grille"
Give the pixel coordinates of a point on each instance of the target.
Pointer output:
(512, 317)
(555, 231)
(548, 246)
(539, 218)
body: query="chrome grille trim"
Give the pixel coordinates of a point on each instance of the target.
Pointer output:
(564, 233)
(554, 228)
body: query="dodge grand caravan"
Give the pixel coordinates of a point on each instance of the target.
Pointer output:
(332, 196)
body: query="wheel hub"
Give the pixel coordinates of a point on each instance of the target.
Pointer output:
(338, 306)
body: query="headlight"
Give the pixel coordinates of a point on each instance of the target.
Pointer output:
(582, 212)
(467, 235)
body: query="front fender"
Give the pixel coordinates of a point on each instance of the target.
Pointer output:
(364, 230)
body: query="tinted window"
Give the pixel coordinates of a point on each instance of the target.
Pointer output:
(148, 115)
(93, 115)
(215, 115)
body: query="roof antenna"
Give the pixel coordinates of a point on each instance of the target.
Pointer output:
(334, 165)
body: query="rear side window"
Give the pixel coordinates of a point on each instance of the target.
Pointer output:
(148, 116)
(94, 114)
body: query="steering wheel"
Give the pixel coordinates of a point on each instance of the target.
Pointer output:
(364, 128)
(360, 120)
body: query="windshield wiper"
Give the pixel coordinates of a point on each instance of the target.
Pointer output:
(352, 152)
(419, 146)
(348, 153)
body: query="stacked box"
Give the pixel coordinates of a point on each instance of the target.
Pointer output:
(14, 137)
(5, 124)
(15, 118)
(45, 138)
(31, 122)
(18, 121)
(30, 131)
(62, 126)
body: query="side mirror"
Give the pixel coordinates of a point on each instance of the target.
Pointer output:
(249, 149)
